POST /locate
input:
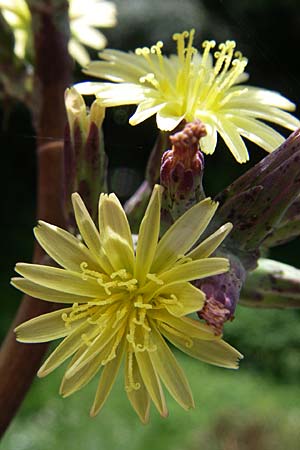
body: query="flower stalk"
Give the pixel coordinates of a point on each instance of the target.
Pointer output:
(272, 285)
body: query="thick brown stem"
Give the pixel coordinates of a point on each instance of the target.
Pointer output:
(19, 362)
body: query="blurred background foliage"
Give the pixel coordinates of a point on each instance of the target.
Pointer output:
(255, 408)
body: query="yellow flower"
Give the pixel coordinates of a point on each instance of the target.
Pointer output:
(84, 16)
(124, 303)
(192, 86)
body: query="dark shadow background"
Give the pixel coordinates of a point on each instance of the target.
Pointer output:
(268, 33)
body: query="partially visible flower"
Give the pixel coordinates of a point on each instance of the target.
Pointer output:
(85, 17)
(192, 86)
(17, 15)
(124, 303)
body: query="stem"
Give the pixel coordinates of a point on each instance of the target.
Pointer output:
(19, 362)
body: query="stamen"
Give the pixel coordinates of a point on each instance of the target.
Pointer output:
(101, 321)
(180, 38)
(131, 285)
(238, 67)
(189, 51)
(87, 341)
(114, 298)
(112, 353)
(122, 273)
(173, 300)
(132, 386)
(119, 315)
(141, 321)
(150, 78)
(107, 285)
(207, 45)
(153, 277)
(132, 327)
(92, 273)
(139, 303)
(78, 312)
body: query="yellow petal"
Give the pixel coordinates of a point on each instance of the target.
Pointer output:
(146, 109)
(103, 338)
(115, 233)
(81, 378)
(78, 52)
(44, 293)
(261, 134)
(189, 271)
(232, 139)
(107, 379)
(152, 382)
(210, 244)
(64, 248)
(169, 117)
(208, 143)
(139, 397)
(88, 36)
(111, 94)
(148, 236)
(44, 328)
(216, 352)
(184, 326)
(86, 226)
(61, 279)
(183, 234)
(170, 372)
(66, 348)
(186, 298)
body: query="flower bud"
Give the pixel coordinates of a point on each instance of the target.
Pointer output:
(222, 295)
(182, 170)
(85, 161)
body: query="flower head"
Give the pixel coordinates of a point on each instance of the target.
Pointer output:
(192, 86)
(124, 303)
(85, 17)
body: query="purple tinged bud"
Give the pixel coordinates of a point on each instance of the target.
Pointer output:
(182, 170)
(222, 295)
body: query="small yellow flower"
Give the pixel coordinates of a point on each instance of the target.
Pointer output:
(192, 86)
(85, 16)
(123, 303)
